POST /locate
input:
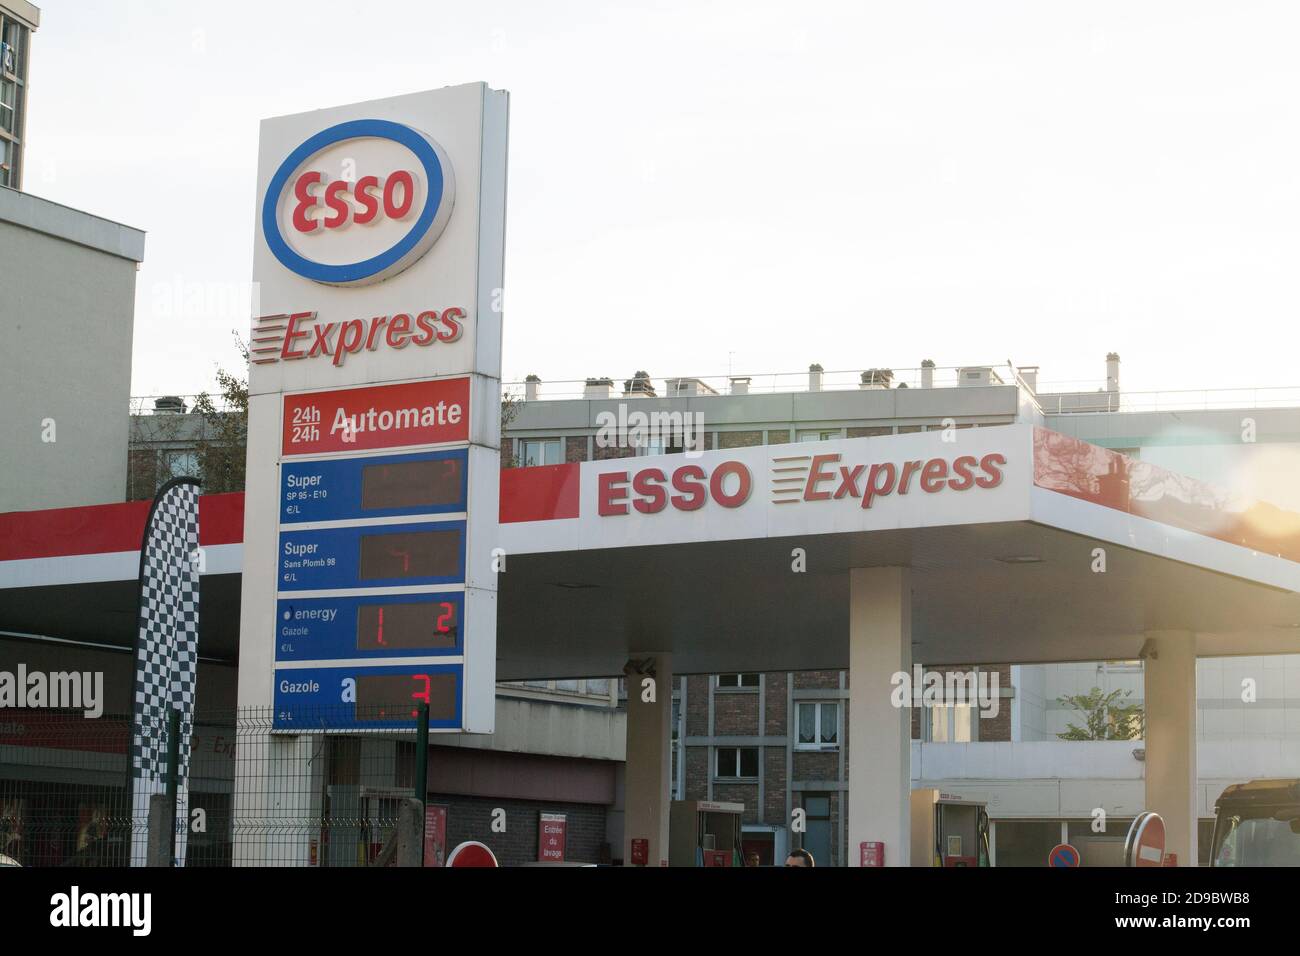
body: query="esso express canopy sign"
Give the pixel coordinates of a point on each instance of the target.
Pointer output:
(358, 202)
(839, 486)
(822, 477)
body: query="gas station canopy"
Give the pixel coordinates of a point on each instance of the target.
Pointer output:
(1025, 546)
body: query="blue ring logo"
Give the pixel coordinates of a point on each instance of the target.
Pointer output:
(439, 191)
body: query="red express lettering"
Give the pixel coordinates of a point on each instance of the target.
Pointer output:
(399, 327)
(886, 478)
(989, 464)
(880, 481)
(351, 336)
(442, 328)
(962, 478)
(934, 476)
(817, 473)
(337, 340)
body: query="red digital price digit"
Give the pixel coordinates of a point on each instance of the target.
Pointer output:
(420, 694)
(449, 611)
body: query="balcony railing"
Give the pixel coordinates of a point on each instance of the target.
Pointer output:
(766, 383)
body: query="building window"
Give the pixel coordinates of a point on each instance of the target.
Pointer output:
(8, 106)
(820, 434)
(734, 762)
(181, 463)
(540, 451)
(817, 824)
(951, 724)
(654, 446)
(13, 35)
(737, 680)
(818, 726)
(13, 79)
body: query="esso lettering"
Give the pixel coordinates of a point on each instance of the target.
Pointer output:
(335, 204)
(687, 488)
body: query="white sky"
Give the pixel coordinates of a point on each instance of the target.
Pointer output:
(767, 185)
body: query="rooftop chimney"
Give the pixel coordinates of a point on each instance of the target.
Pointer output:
(740, 385)
(927, 373)
(1029, 375)
(530, 388)
(597, 388)
(688, 387)
(814, 378)
(1112, 371)
(639, 386)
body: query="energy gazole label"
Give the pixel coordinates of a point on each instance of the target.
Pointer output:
(374, 625)
(376, 416)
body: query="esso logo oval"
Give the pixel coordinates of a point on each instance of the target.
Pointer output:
(358, 202)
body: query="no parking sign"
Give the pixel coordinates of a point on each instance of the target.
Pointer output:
(1063, 855)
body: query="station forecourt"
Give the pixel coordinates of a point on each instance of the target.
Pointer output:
(736, 575)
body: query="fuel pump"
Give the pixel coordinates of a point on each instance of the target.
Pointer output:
(704, 833)
(948, 830)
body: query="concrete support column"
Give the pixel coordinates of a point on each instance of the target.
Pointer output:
(880, 734)
(1170, 676)
(648, 773)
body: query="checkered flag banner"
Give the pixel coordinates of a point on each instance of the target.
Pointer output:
(166, 656)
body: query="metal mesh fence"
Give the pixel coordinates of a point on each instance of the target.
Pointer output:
(258, 796)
